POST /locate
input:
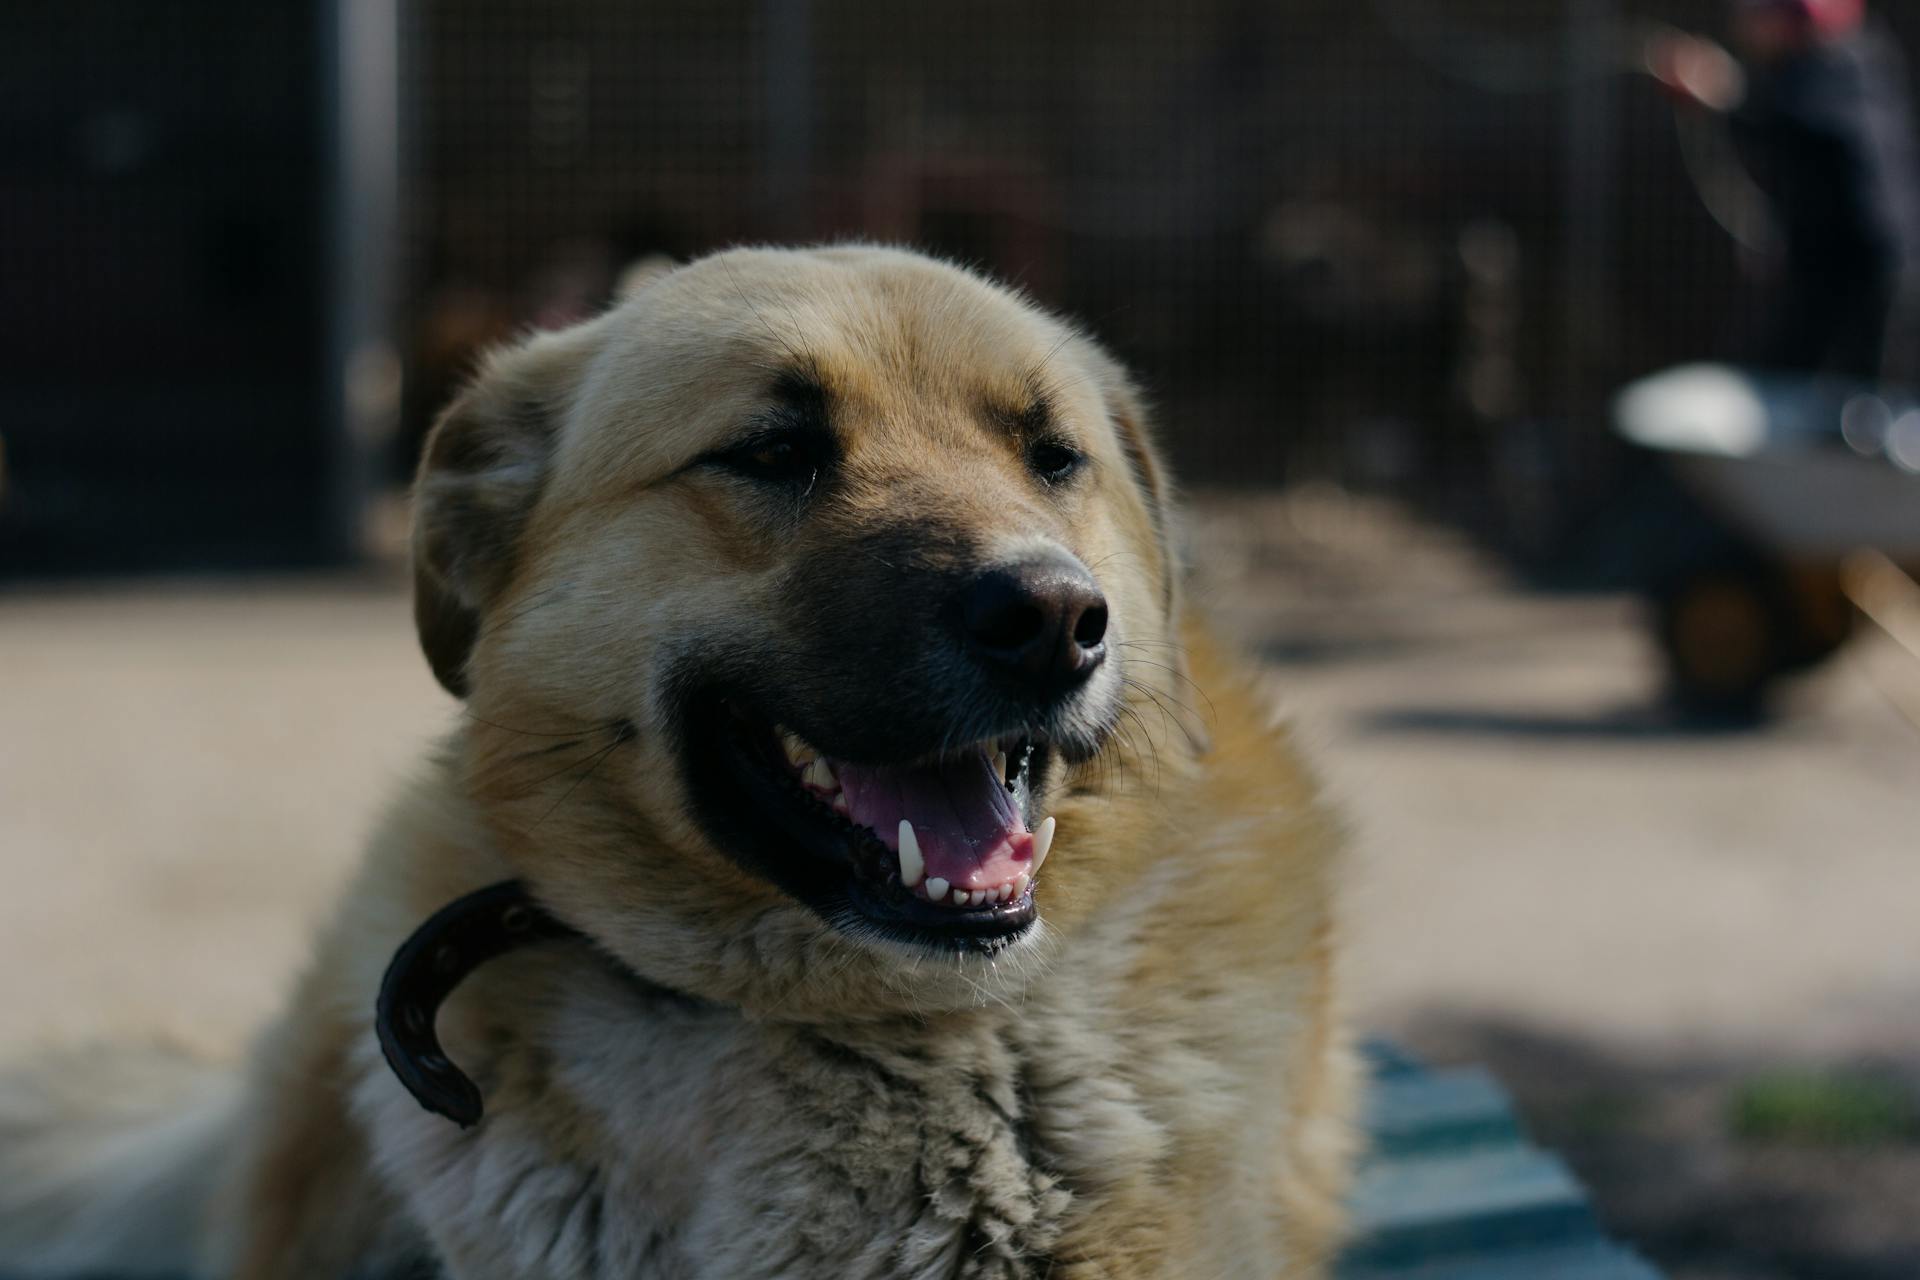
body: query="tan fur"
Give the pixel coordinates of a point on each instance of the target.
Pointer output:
(1153, 1084)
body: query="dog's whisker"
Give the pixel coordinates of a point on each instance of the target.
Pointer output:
(608, 726)
(1174, 645)
(540, 600)
(1121, 554)
(1039, 374)
(747, 298)
(539, 752)
(1213, 712)
(1196, 739)
(622, 736)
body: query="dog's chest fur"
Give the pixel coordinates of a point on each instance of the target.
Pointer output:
(643, 1136)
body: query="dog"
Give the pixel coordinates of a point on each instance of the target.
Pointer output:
(850, 859)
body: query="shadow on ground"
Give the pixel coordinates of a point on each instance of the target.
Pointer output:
(1719, 1168)
(1628, 723)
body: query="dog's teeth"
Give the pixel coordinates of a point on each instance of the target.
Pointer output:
(913, 868)
(1000, 765)
(936, 889)
(1042, 844)
(1020, 883)
(820, 774)
(799, 754)
(977, 898)
(1004, 892)
(959, 897)
(840, 805)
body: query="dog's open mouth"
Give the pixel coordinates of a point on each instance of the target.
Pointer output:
(937, 850)
(956, 826)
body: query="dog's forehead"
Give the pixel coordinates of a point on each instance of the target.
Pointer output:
(873, 327)
(883, 333)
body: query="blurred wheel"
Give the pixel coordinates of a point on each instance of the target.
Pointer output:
(1725, 635)
(1824, 618)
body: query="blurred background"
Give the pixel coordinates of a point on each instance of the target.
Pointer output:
(1619, 679)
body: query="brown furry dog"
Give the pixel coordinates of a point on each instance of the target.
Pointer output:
(804, 605)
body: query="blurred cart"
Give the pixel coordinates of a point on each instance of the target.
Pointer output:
(1786, 478)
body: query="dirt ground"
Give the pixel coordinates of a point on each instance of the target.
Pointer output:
(1639, 926)
(1692, 954)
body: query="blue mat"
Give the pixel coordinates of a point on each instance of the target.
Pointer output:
(1452, 1189)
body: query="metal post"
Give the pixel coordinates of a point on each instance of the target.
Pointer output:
(363, 368)
(1591, 29)
(787, 56)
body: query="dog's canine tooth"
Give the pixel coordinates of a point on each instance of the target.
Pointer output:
(1042, 844)
(913, 868)
(1000, 765)
(936, 889)
(820, 774)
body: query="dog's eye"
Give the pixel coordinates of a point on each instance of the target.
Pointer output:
(778, 456)
(1054, 461)
(784, 458)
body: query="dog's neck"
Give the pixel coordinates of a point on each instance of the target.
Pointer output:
(434, 960)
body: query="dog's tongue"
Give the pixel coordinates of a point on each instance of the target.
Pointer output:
(967, 825)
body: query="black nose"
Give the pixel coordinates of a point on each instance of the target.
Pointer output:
(1043, 622)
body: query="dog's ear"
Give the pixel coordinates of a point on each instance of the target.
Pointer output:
(484, 465)
(1132, 424)
(1127, 409)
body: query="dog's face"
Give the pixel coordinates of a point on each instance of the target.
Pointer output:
(794, 601)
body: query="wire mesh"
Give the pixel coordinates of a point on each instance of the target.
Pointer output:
(1409, 245)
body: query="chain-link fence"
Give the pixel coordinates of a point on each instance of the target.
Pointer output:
(1405, 245)
(1395, 243)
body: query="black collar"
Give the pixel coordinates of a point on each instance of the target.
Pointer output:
(455, 940)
